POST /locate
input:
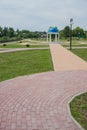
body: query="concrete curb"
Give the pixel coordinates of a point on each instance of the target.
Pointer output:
(80, 127)
(16, 50)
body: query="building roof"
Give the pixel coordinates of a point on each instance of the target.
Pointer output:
(53, 30)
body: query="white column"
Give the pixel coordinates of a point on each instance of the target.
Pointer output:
(55, 37)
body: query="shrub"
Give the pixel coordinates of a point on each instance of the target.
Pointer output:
(4, 44)
(27, 45)
(20, 41)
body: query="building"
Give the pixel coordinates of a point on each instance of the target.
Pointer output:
(53, 35)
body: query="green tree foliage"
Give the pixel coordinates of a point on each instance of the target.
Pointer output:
(1, 32)
(78, 32)
(11, 32)
(5, 31)
(65, 32)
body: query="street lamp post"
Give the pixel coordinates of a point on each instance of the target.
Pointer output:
(78, 35)
(0, 34)
(71, 22)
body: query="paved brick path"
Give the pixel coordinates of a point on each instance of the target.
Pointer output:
(64, 60)
(39, 102)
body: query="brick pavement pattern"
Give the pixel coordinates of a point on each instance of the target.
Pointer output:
(40, 101)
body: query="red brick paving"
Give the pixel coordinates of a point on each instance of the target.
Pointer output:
(39, 102)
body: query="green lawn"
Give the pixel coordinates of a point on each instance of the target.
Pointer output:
(79, 109)
(24, 63)
(75, 45)
(34, 61)
(81, 53)
(17, 45)
(79, 104)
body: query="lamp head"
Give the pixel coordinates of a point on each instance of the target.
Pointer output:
(71, 20)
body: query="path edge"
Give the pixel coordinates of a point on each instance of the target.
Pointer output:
(68, 106)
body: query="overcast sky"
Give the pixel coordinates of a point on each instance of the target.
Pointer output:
(38, 15)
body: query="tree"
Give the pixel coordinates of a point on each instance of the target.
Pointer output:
(66, 32)
(78, 32)
(1, 32)
(5, 31)
(61, 34)
(11, 32)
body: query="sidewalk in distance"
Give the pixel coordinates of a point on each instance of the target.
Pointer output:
(64, 60)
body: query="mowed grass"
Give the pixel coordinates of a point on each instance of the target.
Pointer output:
(79, 104)
(24, 63)
(75, 45)
(79, 109)
(82, 53)
(17, 45)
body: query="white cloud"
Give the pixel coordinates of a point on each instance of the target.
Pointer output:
(40, 14)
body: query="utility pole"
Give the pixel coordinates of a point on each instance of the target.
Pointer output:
(71, 22)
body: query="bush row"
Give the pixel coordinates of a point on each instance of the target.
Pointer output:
(7, 39)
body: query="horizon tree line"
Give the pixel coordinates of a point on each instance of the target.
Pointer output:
(9, 34)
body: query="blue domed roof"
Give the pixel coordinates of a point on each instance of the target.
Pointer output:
(53, 30)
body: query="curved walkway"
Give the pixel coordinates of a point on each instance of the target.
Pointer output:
(40, 101)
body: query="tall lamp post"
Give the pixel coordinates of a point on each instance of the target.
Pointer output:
(71, 23)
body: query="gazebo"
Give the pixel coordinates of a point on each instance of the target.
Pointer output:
(53, 31)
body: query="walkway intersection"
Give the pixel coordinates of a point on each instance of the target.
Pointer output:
(40, 101)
